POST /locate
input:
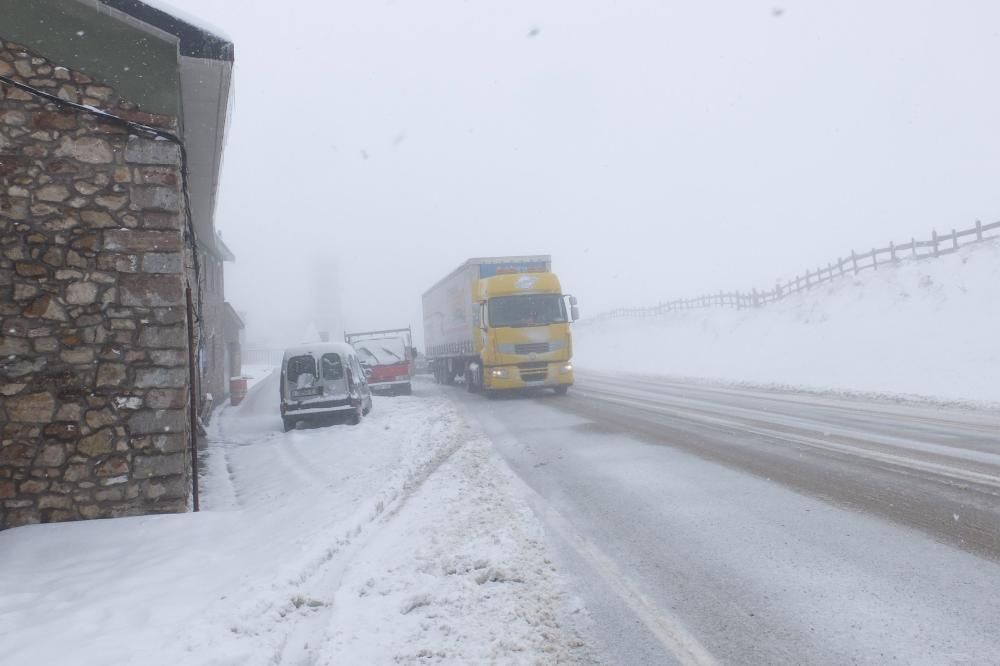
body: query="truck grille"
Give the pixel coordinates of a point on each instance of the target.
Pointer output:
(534, 372)
(532, 348)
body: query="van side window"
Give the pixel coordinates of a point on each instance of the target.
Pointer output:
(298, 366)
(332, 366)
(356, 364)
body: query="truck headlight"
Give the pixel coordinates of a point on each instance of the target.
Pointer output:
(566, 368)
(499, 373)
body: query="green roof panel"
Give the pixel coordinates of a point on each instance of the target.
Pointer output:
(140, 66)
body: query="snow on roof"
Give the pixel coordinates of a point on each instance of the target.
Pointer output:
(319, 348)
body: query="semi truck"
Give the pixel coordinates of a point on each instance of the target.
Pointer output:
(500, 323)
(388, 358)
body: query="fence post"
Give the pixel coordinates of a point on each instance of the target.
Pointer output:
(854, 260)
(913, 246)
(892, 252)
(874, 259)
(979, 230)
(777, 291)
(934, 239)
(840, 265)
(807, 279)
(954, 239)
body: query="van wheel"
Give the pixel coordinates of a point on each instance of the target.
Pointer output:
(354, 418)
(561, 390)
(406, 389)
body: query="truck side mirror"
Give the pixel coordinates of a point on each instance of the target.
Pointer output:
(572, 300)
(574, 311)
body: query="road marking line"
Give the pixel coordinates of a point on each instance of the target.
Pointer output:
(667, 629)
(940, 469)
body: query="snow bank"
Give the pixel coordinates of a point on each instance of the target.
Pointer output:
(448, 581)
(256, 372)
(384, 542)
(926, 327)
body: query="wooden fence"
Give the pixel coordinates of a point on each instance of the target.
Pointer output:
(850, 265)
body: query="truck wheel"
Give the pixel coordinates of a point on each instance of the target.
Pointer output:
(407, 389)
(287, 423)
(354, 418)
(561, 390)
(492, 394)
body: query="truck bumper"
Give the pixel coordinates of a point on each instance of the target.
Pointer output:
(527, 375)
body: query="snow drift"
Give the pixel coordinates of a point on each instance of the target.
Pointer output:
(400, 540)
(927, 327)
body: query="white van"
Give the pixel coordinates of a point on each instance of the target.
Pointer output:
(323, 379)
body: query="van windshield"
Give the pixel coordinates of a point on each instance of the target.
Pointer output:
(527, 310)
(332, 366)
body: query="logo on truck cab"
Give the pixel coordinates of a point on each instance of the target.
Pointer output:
(526, 281)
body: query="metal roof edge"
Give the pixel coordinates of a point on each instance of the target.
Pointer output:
(193, 40)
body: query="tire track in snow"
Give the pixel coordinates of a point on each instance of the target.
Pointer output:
(459, 575)
(300, 597)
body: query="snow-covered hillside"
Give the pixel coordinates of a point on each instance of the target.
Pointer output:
(929, 327)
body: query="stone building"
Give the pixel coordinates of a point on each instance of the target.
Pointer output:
(232, 328)
(212, 362)
(112, 116)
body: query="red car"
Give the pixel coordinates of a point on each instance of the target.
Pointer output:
(388, 358)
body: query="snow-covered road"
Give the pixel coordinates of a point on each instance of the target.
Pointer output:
(639, 520)
(404, 539)
(710, 524)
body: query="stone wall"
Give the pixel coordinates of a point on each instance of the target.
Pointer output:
(93, 333)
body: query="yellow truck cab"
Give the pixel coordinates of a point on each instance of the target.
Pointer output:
(500, 323)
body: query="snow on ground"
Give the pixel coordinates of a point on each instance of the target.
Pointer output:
(255, 373)
(926, 327)
(398, 540)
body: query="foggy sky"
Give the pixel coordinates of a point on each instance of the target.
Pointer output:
(655, 149)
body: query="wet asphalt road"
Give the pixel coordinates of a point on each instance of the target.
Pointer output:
(707, 524)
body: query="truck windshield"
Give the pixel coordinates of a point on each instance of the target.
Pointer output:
(527, 310)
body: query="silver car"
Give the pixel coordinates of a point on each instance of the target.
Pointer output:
(323, 381)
